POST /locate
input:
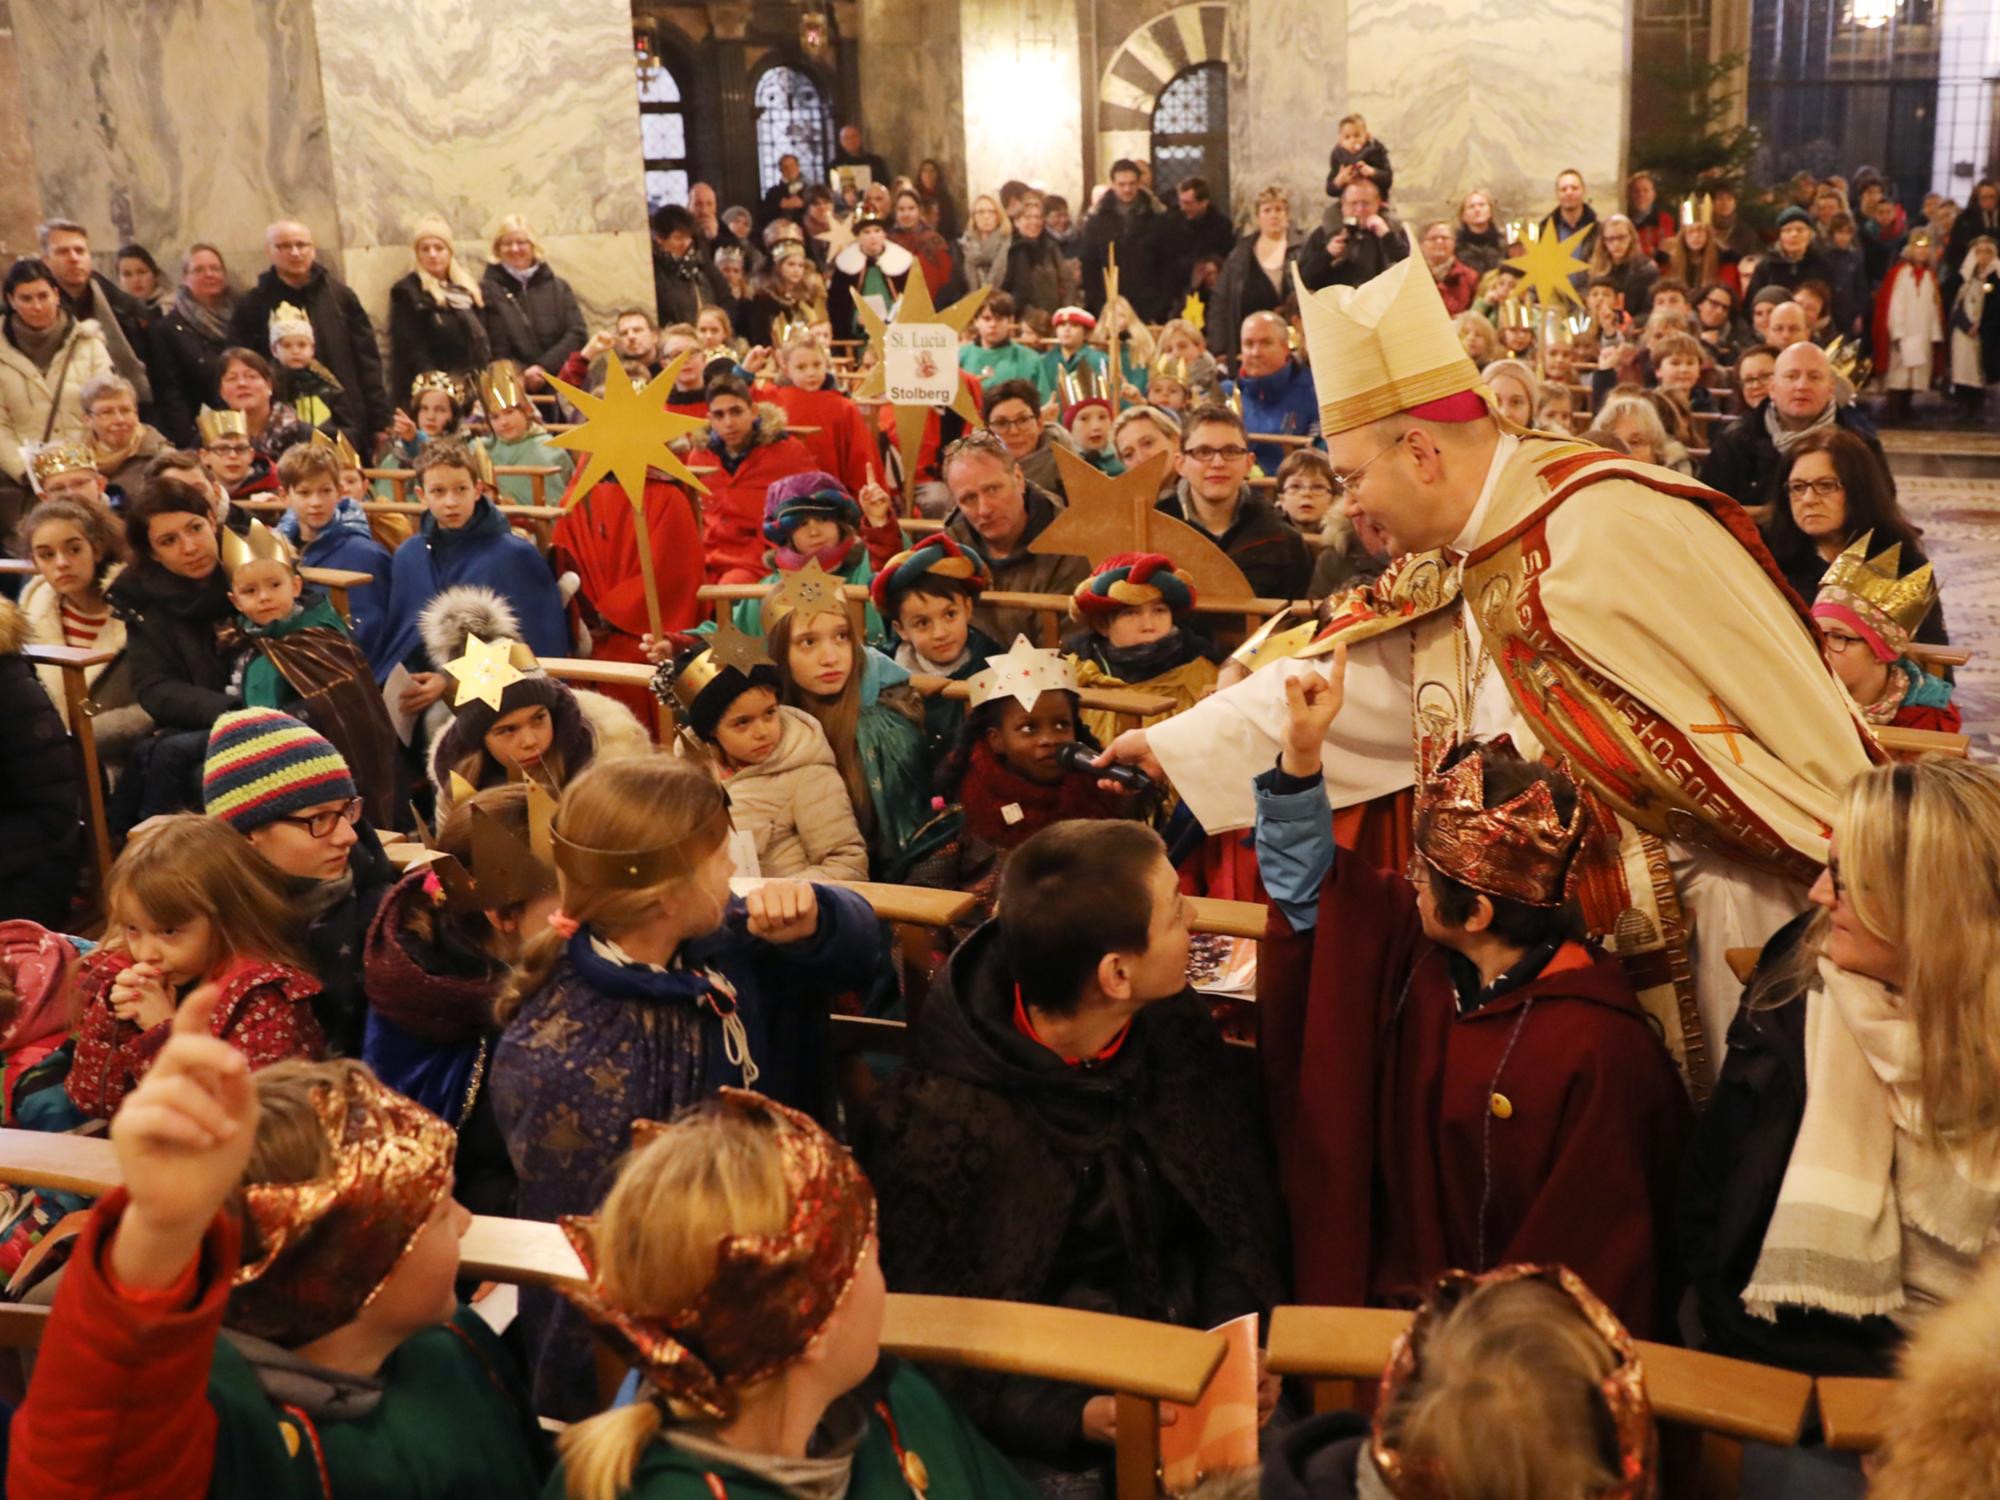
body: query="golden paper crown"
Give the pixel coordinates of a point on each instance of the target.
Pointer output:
(259, 544)
(48, 460)
(343, 451)
(501, 387)
(215, 425)
(505, 870)
(642, 869)
(1514, 313)
(1024, 673)
(288, 319)
(435, 380)
(1845, 360)
(811, 590)
(1079, 385)
(1382, 347)
(1698, 210)
(1171, 367)
(732, 650)
(1893, 606)
(1279, 638)
(1519, 851)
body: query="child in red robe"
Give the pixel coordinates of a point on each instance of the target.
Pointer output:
(842, 442)
(1456, 1081)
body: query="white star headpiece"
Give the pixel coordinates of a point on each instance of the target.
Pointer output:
(1024, 673)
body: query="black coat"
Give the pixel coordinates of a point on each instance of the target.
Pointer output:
(179, 675)
(337, 939)
(1033, 273)
(1375, 154)
(1745, 464)
(1729, 1188)
(425, 335)
(536, 323)
(1243, 289)
(1004, 1172)
(1273, 556)
(344, 339)
(1137, 232)
(681, 291)
(1315, 1459)
(1183, 241)
(41, 827)
(187, 375)
(1775, 270)
(1367, 255)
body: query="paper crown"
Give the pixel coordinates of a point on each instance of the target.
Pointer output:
(641, 869)
(1845, 359)
(436, 380)
(501, 387)
(1515, 313)
(502, 869)
(1279, 638)
(1024, 673)
(47, 460)
(867, 218)
(215, 425)
(316, 1252)
(731, 652)
(1171, 367)
(288, 319)
(1698, 209)
(258, 544)
(810, 589)
(1866, 592)
(343, 451)
(1519, 851)
(1384, 347)
(771, 1295)
(1079, 386)
(487, 669)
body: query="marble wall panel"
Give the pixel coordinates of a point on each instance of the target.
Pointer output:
(1289, 62)
(913, 88)
(169, 121)
(20, 193)
(1023, 94)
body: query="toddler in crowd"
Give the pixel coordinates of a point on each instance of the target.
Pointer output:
(302, 383)
(1135, 607)
(518, 438)
(434, 402)
(194, 914)
(230, 460)
(1358, 157)
(653, 988)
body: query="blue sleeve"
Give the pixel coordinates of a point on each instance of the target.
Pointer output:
(1294, 841)
(841, 954)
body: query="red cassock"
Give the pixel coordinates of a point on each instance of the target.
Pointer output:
(844, 445)
(1386, 1103)
(733, 510)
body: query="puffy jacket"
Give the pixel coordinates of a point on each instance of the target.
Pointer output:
(536, 322)
(796, 807)
(28, 394)
(179, 674)
(733, 509)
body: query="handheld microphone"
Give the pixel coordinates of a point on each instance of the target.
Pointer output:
(1077, 757)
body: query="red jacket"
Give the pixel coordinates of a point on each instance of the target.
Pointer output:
(733, 510)
(844, 446)
(1458, 286)
(265, 1012)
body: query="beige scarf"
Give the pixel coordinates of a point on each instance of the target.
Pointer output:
(1860, 1169)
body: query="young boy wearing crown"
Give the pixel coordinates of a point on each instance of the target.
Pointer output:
(303, 383)
(232, 460)
(1868, 617)
(519, 440)
(308, 1211)
(1480, 1087)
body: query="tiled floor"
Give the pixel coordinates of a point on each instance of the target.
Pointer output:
(1949, 482)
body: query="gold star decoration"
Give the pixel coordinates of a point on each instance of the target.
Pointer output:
(916, 307)
(484, 672)
(809, 591)
(1107, 515)
(1548, 264)
(733, 649)
(1024, 673)
(625, 432)
(836, 237)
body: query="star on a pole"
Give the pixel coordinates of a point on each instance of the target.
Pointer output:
(1107, 515)
(916, 307)
(836, 237)
(732, 648)
(1548, 263)
(484, 672)
(625, 432)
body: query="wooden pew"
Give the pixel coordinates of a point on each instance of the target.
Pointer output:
(1907, 744)
(336, 582)
(1728, 1401)
(1937, 660)
(538, 520)
(1852, 1411)
(73, 661)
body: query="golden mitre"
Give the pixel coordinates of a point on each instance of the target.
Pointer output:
(259, 544)
(501, 387)
(50, 459)
(215, 425)
(1383, 347)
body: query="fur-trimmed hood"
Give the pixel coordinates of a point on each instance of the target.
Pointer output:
(601, 726)
(456, 614)
(1941, 1434)
(13, 628)
(82, 331)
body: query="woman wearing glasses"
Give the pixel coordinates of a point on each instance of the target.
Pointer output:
(1835, 490)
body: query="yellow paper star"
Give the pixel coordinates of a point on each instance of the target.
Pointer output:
(916, 307)
(836, 237)
(1107, 515)
(809, 591)
(1548, 264)
(484, 672)
(1195, 312)
(625, 432)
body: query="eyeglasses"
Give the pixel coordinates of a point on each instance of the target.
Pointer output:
(234, 450)
(321, 824)
(1833, 874)
(1012, 424)
(1798, 489)
(1720, 304)
(1346, 483)
(1755, 382)
(1840, 644)
(1234, 453)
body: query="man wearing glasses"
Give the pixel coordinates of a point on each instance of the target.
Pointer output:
(1747, 455)
(1215, 497)
(1598, 611)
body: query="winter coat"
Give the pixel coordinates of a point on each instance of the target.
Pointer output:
(795, 806)
(486, 551)
(173, 627)
(985, 255)
(348, 542)
(1634, 277)
(425, 334)
(588, 727)
(343, 341)
(41, 838)
(1745, 464)
(129, 473)
(127, 324)
(933, 252)
(41, 612)
(1136, 231)
(603, 1043)
(265, 1012)
(1367, 255)
(1273, 557)
(533, 450)
(1734, 1167)
(1243, 288)
(1374, 153)
(336, 936)
(1116, 1196)
(536, 322)
(187, 372)
(1775, 270)
(28, 395)
(1035, 273)
(1481, 251)
(682, 288)
(733, 510)
(1183, 242)
(1281, 403)
(1020, 571)
(844, 446)
(1457, 286)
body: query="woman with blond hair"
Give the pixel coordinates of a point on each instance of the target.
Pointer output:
(1620, 258)
(1845, 1180)
(1482, 243)
(1257, 277)
(532, 316)
(437, 314)
(985, 241)
(1480, 338)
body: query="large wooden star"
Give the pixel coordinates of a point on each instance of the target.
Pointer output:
(837, 236)
(1548, 264)
(625, 432)
(484, 672)
(916, 307)
(1106, 516)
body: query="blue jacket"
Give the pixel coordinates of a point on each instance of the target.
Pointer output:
(348, 542)
(484, 551)
(1281, 402)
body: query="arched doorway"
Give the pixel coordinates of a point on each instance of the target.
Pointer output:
(1191, 131)
(791, 121)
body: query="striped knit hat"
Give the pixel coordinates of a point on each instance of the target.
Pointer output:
(937, 559)
(1129, 579)
(263, 765)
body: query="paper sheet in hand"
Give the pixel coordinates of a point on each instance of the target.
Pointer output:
(1219, 1432)
(393, 688)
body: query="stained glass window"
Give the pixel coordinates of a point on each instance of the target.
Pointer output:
(1191, 131)
(663, 135)
(791, 121)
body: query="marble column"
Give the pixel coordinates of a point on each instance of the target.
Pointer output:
(474, 111)
(1288, 64)
(912, 88)
(20, 193)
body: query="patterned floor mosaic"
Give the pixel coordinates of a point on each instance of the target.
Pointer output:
(1960, 518)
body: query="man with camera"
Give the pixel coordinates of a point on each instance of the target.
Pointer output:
(1356, 241)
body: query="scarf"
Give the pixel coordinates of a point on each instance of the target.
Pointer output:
(1860, 1169)
(108, 459)
(836, 559)
(42, 347)
(457, 289)
(314, 898)
(211, 323)
(1141, 663)
(524, 277)
(610, 970)
(1783, 438)
(1004, 807)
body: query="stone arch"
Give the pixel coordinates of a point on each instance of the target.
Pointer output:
(1147, 61)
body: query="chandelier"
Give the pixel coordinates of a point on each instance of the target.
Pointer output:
(813, 29)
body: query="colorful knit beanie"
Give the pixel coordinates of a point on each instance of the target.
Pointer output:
(938, 559)
(1129, 579)
(263, 765)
